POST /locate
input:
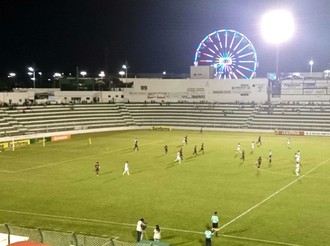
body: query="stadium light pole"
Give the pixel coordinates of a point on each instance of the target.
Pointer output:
(125, 66)
(33, 73)
(277, 27)
(311, 63)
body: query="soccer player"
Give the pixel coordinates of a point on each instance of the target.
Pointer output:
(136, 146)
(252, 147)
(126, 168)
(195, 151)
(89, 141)
(297, 171)
(166, 148)
(178, 157)
(270, 154)
(298, 156)
(97, 168)
(259, 141)
(238, 148)
(243, 155)
(215, 222)
(181, 153)
(288, 143)
(258, 163)
(202, 148)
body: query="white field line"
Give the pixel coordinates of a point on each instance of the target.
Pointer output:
(272, 195)
(133, 225)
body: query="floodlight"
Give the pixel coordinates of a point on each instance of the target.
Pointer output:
(277, 26)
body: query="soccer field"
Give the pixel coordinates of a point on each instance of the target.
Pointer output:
(55, 187)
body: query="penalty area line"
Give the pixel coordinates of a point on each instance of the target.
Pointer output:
(133, 225)
(272, 195)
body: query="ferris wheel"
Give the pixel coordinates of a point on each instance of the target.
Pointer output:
(230, 53)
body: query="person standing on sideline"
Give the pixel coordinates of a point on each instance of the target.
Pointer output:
(140, 227)
(215, 222)
(208, 234)
(126, 168)
(166, 148)
(97, 168)
(157, 235)
(136, 146)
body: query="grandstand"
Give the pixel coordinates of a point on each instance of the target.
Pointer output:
(59, 118)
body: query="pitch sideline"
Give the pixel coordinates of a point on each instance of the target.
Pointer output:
(133, 225)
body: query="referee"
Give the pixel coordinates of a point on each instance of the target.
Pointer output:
(215, 222)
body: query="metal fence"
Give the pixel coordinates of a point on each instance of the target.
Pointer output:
(11, 234)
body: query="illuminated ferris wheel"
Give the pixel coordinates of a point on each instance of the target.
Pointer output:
(230, 53)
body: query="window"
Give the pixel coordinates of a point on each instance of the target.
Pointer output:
(144, 88)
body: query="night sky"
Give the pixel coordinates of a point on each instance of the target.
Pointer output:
(151, 35)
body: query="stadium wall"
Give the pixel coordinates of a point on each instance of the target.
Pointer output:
(195, 90)
(188, 90)
(305, 90)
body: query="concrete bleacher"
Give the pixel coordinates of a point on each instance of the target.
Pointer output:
(305, 117)
(52, 118)
(56, 118)
(190, 114)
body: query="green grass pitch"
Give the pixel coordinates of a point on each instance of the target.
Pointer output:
(55, 187)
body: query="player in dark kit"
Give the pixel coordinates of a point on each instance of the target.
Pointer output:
(195, 151)
(97, 168)
(259, 141)
(181, 153)
(202, 148)
(258, 164)
(166, 149)
(243, 155)
(136, 146)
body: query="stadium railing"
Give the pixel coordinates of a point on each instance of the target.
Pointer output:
(11, 234)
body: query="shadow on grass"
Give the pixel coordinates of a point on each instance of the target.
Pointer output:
(235, 231)
(105, 173)
(173, 164)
